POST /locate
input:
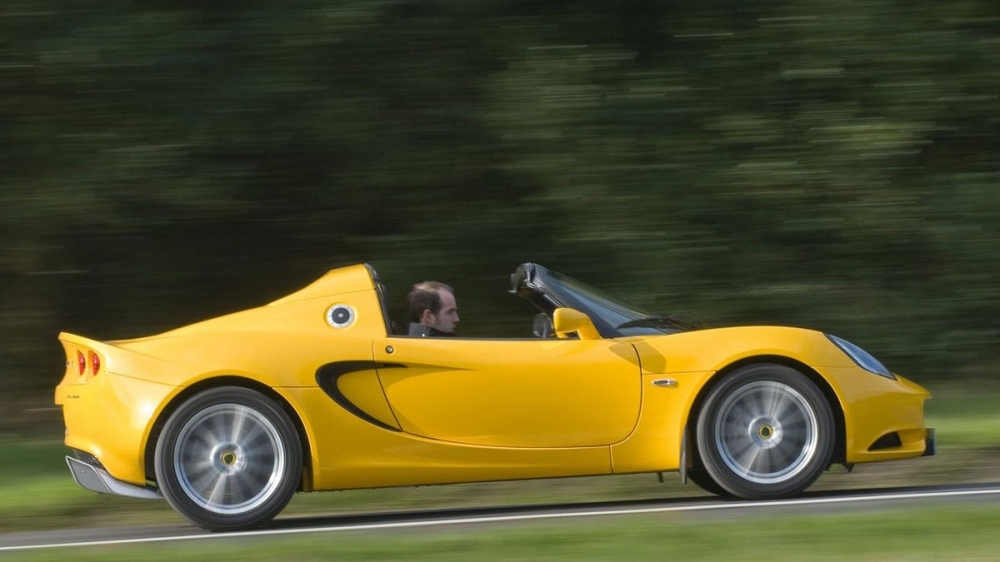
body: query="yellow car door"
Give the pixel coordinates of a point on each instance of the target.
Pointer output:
(512, 393)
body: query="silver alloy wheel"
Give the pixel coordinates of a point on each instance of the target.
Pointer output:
(229, 459)
(766, 432)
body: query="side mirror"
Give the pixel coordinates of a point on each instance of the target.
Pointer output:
(567, 320)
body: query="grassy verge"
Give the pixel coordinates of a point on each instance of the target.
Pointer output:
(37, 491)
(966, 415)
(938, 532)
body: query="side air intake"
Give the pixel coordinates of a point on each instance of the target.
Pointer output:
(887, 441)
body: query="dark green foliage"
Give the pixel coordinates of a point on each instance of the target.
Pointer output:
(826, 164)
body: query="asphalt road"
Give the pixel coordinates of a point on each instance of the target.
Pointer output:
(374, 522)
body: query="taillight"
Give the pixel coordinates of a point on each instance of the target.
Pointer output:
(95, 363)
(81, 362)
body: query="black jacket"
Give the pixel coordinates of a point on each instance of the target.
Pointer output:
(422, 331)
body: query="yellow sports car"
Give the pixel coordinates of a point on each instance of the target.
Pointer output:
(229, 417)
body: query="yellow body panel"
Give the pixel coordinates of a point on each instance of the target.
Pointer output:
(359, 455)
(873, 408)
(512, 393)
(109, 415)
(656, 443)
(408, 411)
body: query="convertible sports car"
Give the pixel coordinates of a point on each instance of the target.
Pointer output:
(229, 417)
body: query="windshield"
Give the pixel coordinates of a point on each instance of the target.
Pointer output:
(598, 303)
(549, 290)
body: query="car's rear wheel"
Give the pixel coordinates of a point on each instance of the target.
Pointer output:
(228, 458)
(766, 431)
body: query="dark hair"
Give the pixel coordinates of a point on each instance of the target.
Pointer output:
(425, 296)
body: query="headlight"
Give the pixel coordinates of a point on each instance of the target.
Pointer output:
(864, 359)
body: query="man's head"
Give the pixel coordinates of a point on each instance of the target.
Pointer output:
(433, 304)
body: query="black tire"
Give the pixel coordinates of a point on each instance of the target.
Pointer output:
(704, 481)
(228, 458)
(766, 431)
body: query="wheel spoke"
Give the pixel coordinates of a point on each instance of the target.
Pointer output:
(782, 456)
(206, 438)
(246, 489)
(741, 413)
(779, 402)
(751, 456)
(202, 478)
(213, 428)
(747, 445)
(763, 398)
(214, 489)
(254, 434)
(763, 463)
(236, 428)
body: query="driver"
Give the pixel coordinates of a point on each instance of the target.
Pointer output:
(433, 310)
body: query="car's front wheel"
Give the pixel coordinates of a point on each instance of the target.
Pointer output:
(766, 431)
(228, 458)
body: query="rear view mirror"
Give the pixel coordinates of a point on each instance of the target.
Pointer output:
(567, 320)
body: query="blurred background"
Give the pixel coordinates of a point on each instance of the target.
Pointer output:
(832, 164)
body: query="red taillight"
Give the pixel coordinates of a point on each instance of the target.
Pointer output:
(81, 362)
(95, 363)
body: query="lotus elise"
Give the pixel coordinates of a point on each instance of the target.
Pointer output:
(228, 418)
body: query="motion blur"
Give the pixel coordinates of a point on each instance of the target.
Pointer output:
(831, 164)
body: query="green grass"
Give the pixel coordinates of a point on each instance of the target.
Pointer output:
(37, 491)
(966, 417)
(31, 473)
(948, 531)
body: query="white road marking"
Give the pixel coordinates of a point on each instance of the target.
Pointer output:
(524, 517)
